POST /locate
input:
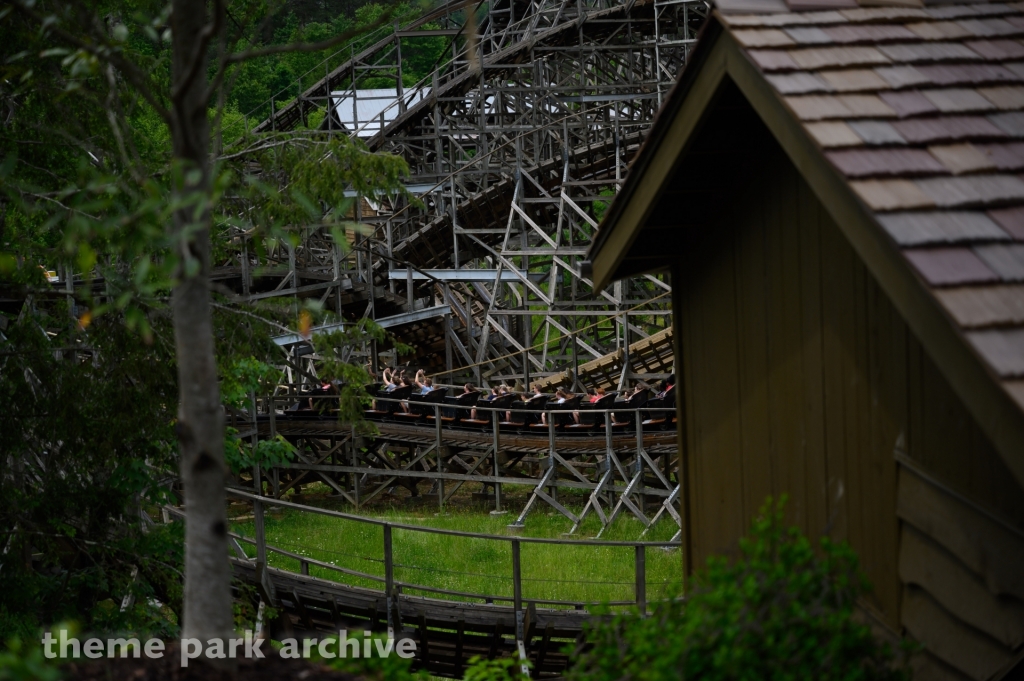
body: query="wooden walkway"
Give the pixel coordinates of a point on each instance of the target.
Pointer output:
(447, 633)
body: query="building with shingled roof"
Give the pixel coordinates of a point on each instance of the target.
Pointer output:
(837, 191)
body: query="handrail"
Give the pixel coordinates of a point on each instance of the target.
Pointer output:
(393, 587)
(311, 561)
(235, 492)
(305, 561)
(479, 405)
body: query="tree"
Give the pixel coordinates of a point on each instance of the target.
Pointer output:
(81, 468)
(152, 219)
(783, 609)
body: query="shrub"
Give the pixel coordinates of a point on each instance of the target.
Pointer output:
(781, 611)
(374, 667)
(25, 662)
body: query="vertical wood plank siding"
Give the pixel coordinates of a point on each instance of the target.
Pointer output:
(801, 378)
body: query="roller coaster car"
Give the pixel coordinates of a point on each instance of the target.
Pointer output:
(420, 405)
(320, 405)
(591, 413)
(661, 419)
(560, 414)
(622, 422)
(589, 420)
(453, 414)
(524, 413)
(501, 402)
(382, 409)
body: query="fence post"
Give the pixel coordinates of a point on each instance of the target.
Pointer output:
(272, 411)
(517, 588)
(641, 579)
(257, 481)
(257, 515)
(609, 454)
(389, 578)
(517, 604)
(437, 426)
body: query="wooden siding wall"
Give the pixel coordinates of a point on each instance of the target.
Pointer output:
(802, 378)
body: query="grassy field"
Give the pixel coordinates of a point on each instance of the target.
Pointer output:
(472, 565)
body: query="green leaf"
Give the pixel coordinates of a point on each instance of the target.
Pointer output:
(86, 258)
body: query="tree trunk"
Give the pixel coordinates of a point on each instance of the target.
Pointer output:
(207, 602)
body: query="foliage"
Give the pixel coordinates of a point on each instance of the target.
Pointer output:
(88, 392)
(101, 201)
(350, 379)
(23, 662)
(283, 77)
(304, 182)
(601, 207)
(781, 611)
(246, 606)
(243, 456)
(246, 376)
(85, 418)
(502, 669)
(375, 667)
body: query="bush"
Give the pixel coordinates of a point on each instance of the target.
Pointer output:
(374, 667)
(782, 611)
(25, 662)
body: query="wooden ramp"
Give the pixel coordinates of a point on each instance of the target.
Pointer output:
(652, 355)
(447, 633)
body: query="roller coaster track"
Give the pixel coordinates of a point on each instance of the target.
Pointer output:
(515, 147)
(515, 142)
(622, 458)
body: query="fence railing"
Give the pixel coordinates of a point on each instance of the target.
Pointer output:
(394, 587)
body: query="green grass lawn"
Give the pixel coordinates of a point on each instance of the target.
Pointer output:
(472, 565)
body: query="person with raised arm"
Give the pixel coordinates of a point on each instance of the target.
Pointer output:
(425, 384)
(390, 379)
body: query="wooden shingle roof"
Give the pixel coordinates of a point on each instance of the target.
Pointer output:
(921, 109)
(907, 122)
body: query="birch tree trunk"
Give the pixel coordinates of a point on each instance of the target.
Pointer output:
(207, 606)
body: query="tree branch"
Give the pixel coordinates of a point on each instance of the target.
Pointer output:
(310, 47)
(107, 54)
(269, 322)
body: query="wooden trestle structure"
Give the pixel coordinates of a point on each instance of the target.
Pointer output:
(514, 152)
(625, 462)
